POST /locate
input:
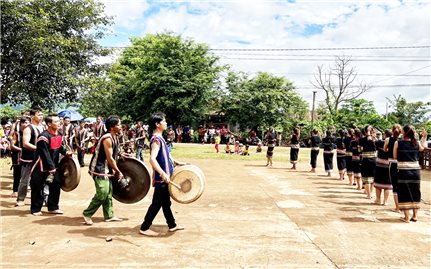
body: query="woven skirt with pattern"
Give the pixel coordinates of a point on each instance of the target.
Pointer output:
(341, 162)
(409, 191)
(382, 180)
(328, 159)
(294, 155)
(368, 167)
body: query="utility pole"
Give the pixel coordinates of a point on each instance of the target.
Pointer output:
(312, 110)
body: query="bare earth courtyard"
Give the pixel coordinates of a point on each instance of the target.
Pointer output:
(248, 216)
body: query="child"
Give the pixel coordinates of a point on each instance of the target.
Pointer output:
(240, 150)
(217, 141)
(236, 148)
(245, 152)
(128, 149)
(227, 149)
(259, 147)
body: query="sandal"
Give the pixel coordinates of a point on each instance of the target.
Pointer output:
(414, 220)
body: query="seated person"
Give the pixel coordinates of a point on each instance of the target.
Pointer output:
(227, 148)
(245, 151)
(240, 149)
(259, 147)
(236, 148)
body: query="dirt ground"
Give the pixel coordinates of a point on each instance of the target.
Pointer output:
(248, 216)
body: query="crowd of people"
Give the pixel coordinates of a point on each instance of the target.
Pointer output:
(371, 162)
(389, 163)
(37, 144)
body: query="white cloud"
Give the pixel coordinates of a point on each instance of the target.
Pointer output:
(278, 24)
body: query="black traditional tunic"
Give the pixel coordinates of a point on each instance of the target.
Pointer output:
(409, 178)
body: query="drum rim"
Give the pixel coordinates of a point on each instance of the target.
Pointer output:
(183, 168)
(78, 173)
(116, 197)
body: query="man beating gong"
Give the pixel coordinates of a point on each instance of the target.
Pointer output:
(162, 165)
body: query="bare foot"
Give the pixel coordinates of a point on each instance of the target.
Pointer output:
(176, 228)
(14, 194)
(148, 232)
(377, 202)
(404, 220)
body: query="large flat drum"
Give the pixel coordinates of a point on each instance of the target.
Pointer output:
(191, 179)
(136, 172)
(70, 173)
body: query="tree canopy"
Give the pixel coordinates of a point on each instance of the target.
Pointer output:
(164, 72)
(264, 100)
(48, 47)
(409, 113)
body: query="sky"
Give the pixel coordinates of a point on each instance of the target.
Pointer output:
(275, 30)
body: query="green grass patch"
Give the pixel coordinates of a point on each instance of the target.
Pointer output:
(207, 151)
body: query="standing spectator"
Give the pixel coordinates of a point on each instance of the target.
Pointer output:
(139, 140)
(217, 142)
(48, 149)
(201, 134)
(179, 133)
(224, 134)
(211, 134)
(191, 135)
(29, 139)
(186, 134)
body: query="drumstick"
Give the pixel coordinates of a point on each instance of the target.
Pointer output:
(175, 184)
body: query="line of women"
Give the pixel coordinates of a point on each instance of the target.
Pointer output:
(386, 164)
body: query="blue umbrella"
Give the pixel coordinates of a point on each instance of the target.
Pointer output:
(72, 114)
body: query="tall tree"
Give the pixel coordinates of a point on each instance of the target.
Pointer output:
(409, 113)
(264, 101)
(48, 47)
(337, 83)
(358, 113)
(164, 72)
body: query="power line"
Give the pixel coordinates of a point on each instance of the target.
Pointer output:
(370, 75)
(326, 60)
(324, 55)
(373, 86)
(341, 48)
(419, 69)
(307, 49)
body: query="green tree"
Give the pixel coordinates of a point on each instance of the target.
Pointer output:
(408, 113)
(48, 48)
(9, 113)
(358, 113)
(262, 101)
(164, 72)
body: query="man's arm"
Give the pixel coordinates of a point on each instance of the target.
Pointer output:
(155, 147)
(26, 136)
(43, 151)
(107, 144)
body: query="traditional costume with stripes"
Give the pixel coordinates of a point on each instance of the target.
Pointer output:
(409, 178)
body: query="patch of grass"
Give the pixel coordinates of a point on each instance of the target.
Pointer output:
(207, 151)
